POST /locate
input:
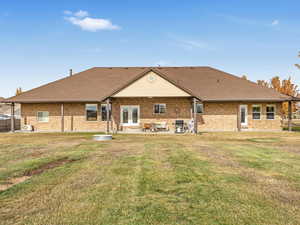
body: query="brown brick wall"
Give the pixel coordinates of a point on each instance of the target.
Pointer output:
(216, 116)
(223, 117)
(74, 117)
(177, 108)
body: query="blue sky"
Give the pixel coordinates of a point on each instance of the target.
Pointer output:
(41, 40)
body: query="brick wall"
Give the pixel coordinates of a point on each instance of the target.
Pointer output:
(216, 116)
(177, 108)
(223, 117)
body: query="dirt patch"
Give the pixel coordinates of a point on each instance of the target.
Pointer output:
(48, 166)
(217, 156)
(13, 182)
(275, 188)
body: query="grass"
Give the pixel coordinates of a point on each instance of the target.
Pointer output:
(212, 178)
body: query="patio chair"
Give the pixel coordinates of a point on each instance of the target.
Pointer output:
(147, 126)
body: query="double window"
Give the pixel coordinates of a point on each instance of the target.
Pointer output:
(160, 108)
(270, 110)
(43, 116)
(104, 112)
(256, 112)
(91, 112)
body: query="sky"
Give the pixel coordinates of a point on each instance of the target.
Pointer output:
(41, 40)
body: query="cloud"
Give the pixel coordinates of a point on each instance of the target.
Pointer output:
(82, 20)
(188, 43)
(67, 12)
(81, 13)
(275, 22)
(191, 44)
(247, 21)
(238, 20)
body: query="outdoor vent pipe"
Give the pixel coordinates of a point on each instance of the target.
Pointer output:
(71, 72)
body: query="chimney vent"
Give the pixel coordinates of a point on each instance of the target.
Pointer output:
(71, 72)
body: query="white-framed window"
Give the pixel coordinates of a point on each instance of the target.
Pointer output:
(160, 108)
(43, 116)
(256, 112)
(270, 112)
(104, 112)
(91, 111)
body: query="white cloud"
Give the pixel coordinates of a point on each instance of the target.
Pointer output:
(275, 22)
(81, 13)
(67, 12)
(92, 24)
(191, 44)
(81, 19)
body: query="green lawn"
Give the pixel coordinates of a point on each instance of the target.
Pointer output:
(211, 178)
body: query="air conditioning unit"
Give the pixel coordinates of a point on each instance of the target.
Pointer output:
(27, 128)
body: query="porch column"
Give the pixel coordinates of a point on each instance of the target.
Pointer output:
(62, 117)
(107, 116)
(238, 118)
(195, 115)
(290, 116)
(12, 118)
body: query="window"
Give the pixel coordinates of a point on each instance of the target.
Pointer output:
(199, 107)
(160, 108)
(104, 112)
(270, 112)
(256, 110)
(42, 116)
(91, 112)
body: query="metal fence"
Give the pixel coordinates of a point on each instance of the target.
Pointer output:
(5, 125)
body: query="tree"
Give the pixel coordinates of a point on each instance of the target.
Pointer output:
(19, 91)
(298, 65)
(244, 77)
(285, 86)
(263, 83)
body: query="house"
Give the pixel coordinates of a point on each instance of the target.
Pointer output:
(5, 109)
(123, 98)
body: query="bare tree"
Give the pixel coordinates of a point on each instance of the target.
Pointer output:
(298, 65)
(19, 91)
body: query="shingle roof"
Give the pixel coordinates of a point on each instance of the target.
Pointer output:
(98, 83)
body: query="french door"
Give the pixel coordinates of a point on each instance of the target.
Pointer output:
(130, 115)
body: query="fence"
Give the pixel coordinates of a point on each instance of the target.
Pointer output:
(5, 125)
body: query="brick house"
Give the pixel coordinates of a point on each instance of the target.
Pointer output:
(122, 98)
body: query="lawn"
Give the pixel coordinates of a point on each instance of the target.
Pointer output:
(211, 178)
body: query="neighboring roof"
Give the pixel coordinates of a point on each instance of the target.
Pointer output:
(1, 99)
(6, 109)
(96, 84)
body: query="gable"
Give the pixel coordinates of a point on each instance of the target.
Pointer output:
(151, 85)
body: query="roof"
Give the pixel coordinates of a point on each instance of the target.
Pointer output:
(98, 83)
